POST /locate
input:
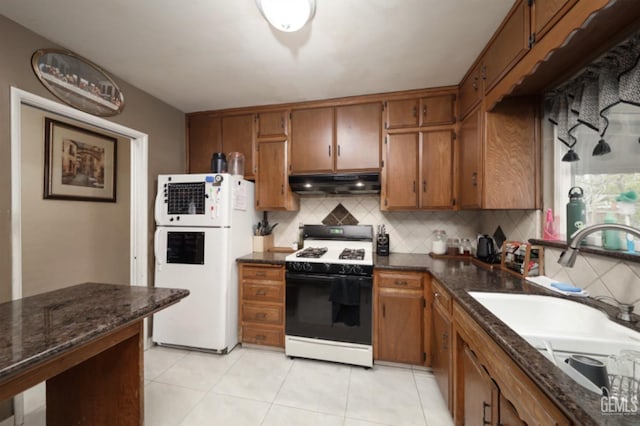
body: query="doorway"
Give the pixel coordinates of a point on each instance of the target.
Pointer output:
(138, 193)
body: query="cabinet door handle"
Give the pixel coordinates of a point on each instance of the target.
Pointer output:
(282, 189)
(475, 83)
(400, 282)
(261, 315)
(383, 311)
(415, 112)
(424, 111)
(436, 294)
(445, 341)
(261, 274)
(261, 292)
(261, 337)
(414, 186)
(329, 150)
(474, 178)
(484, 413)
(338, 150)
(424, 186)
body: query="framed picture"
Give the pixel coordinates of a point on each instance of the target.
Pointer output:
(77, 82)
(79, 164)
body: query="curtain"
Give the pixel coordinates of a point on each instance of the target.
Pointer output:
(587, 99)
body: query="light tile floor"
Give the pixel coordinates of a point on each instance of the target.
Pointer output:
(260, 387)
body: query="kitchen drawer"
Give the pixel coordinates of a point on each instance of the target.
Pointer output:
(271, 273)
(263, 336)
(441, 296)
(262, 313)
(400, 280)
(263, 292)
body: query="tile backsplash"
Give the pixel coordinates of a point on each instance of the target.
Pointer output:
(411, 231)
(599, 275)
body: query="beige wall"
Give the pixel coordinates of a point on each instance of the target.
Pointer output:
(163, 123)
(70, 242)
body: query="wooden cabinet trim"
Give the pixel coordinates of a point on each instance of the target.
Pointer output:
(400, 280)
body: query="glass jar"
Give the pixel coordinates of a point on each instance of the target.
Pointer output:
(439, 242)
(235, 163)
(453, 246)
(465, 247)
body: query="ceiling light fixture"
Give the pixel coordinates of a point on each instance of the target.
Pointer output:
(287, 15)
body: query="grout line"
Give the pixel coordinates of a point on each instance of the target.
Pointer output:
(415, 382)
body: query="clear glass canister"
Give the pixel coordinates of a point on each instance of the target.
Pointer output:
(439, 242)
(235, 163)
(453, 246)
(465, 246)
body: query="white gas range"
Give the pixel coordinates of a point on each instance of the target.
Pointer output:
(329, 295)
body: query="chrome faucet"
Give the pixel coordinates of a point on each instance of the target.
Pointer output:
(568, 256)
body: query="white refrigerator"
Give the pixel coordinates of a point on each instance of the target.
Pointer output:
(204, 222)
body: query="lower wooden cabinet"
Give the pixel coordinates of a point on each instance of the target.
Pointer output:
(479, 393)
(261, 318)
(485, 372)
(399, 312)
(441, 341)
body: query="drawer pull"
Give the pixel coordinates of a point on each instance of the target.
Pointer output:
(260, 337)
(436, 294)
(401, 282)
(260, 315)
(261, 274)
(261, 292)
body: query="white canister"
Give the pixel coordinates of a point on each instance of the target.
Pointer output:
(439, 243)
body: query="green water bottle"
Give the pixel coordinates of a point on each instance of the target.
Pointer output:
(576, 211)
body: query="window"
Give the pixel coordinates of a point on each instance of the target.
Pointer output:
(603, 178)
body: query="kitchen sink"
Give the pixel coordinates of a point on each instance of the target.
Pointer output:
(559, 328)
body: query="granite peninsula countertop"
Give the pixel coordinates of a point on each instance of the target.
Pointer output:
(460, 276)
(37, 328)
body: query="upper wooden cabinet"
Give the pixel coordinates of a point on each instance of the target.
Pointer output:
(358, 135)
(312, 142)
(272, 180)
(545, 14)
(510, 43)
(436, 170)
(499, 157)
(356, 146)
(418, 112)
(418, 171)
(400, 173)
(470, 161)
(238, 135)
(203, 140)
(471, 90)
(272, 124)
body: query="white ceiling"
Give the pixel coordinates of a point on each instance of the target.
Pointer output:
(213, 54)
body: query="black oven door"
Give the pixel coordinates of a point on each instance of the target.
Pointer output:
(329, 307)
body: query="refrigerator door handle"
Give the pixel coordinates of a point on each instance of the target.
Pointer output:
(156, 246)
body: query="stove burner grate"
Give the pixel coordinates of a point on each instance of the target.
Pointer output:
(312, 252)
(352, 254)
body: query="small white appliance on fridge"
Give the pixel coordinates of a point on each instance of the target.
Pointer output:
(204, 222)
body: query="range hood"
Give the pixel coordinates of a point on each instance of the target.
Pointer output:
(348, 183)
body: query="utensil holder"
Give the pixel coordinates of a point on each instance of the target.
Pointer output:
(262, 243)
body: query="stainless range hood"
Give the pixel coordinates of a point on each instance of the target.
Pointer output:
(347, 183)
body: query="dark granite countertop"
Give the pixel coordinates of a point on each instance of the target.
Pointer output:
(461, 276)
(264, 257)
(35, 329)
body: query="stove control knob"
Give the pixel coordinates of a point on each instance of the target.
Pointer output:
(306, 266)
(296, 266)
(357, 270)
